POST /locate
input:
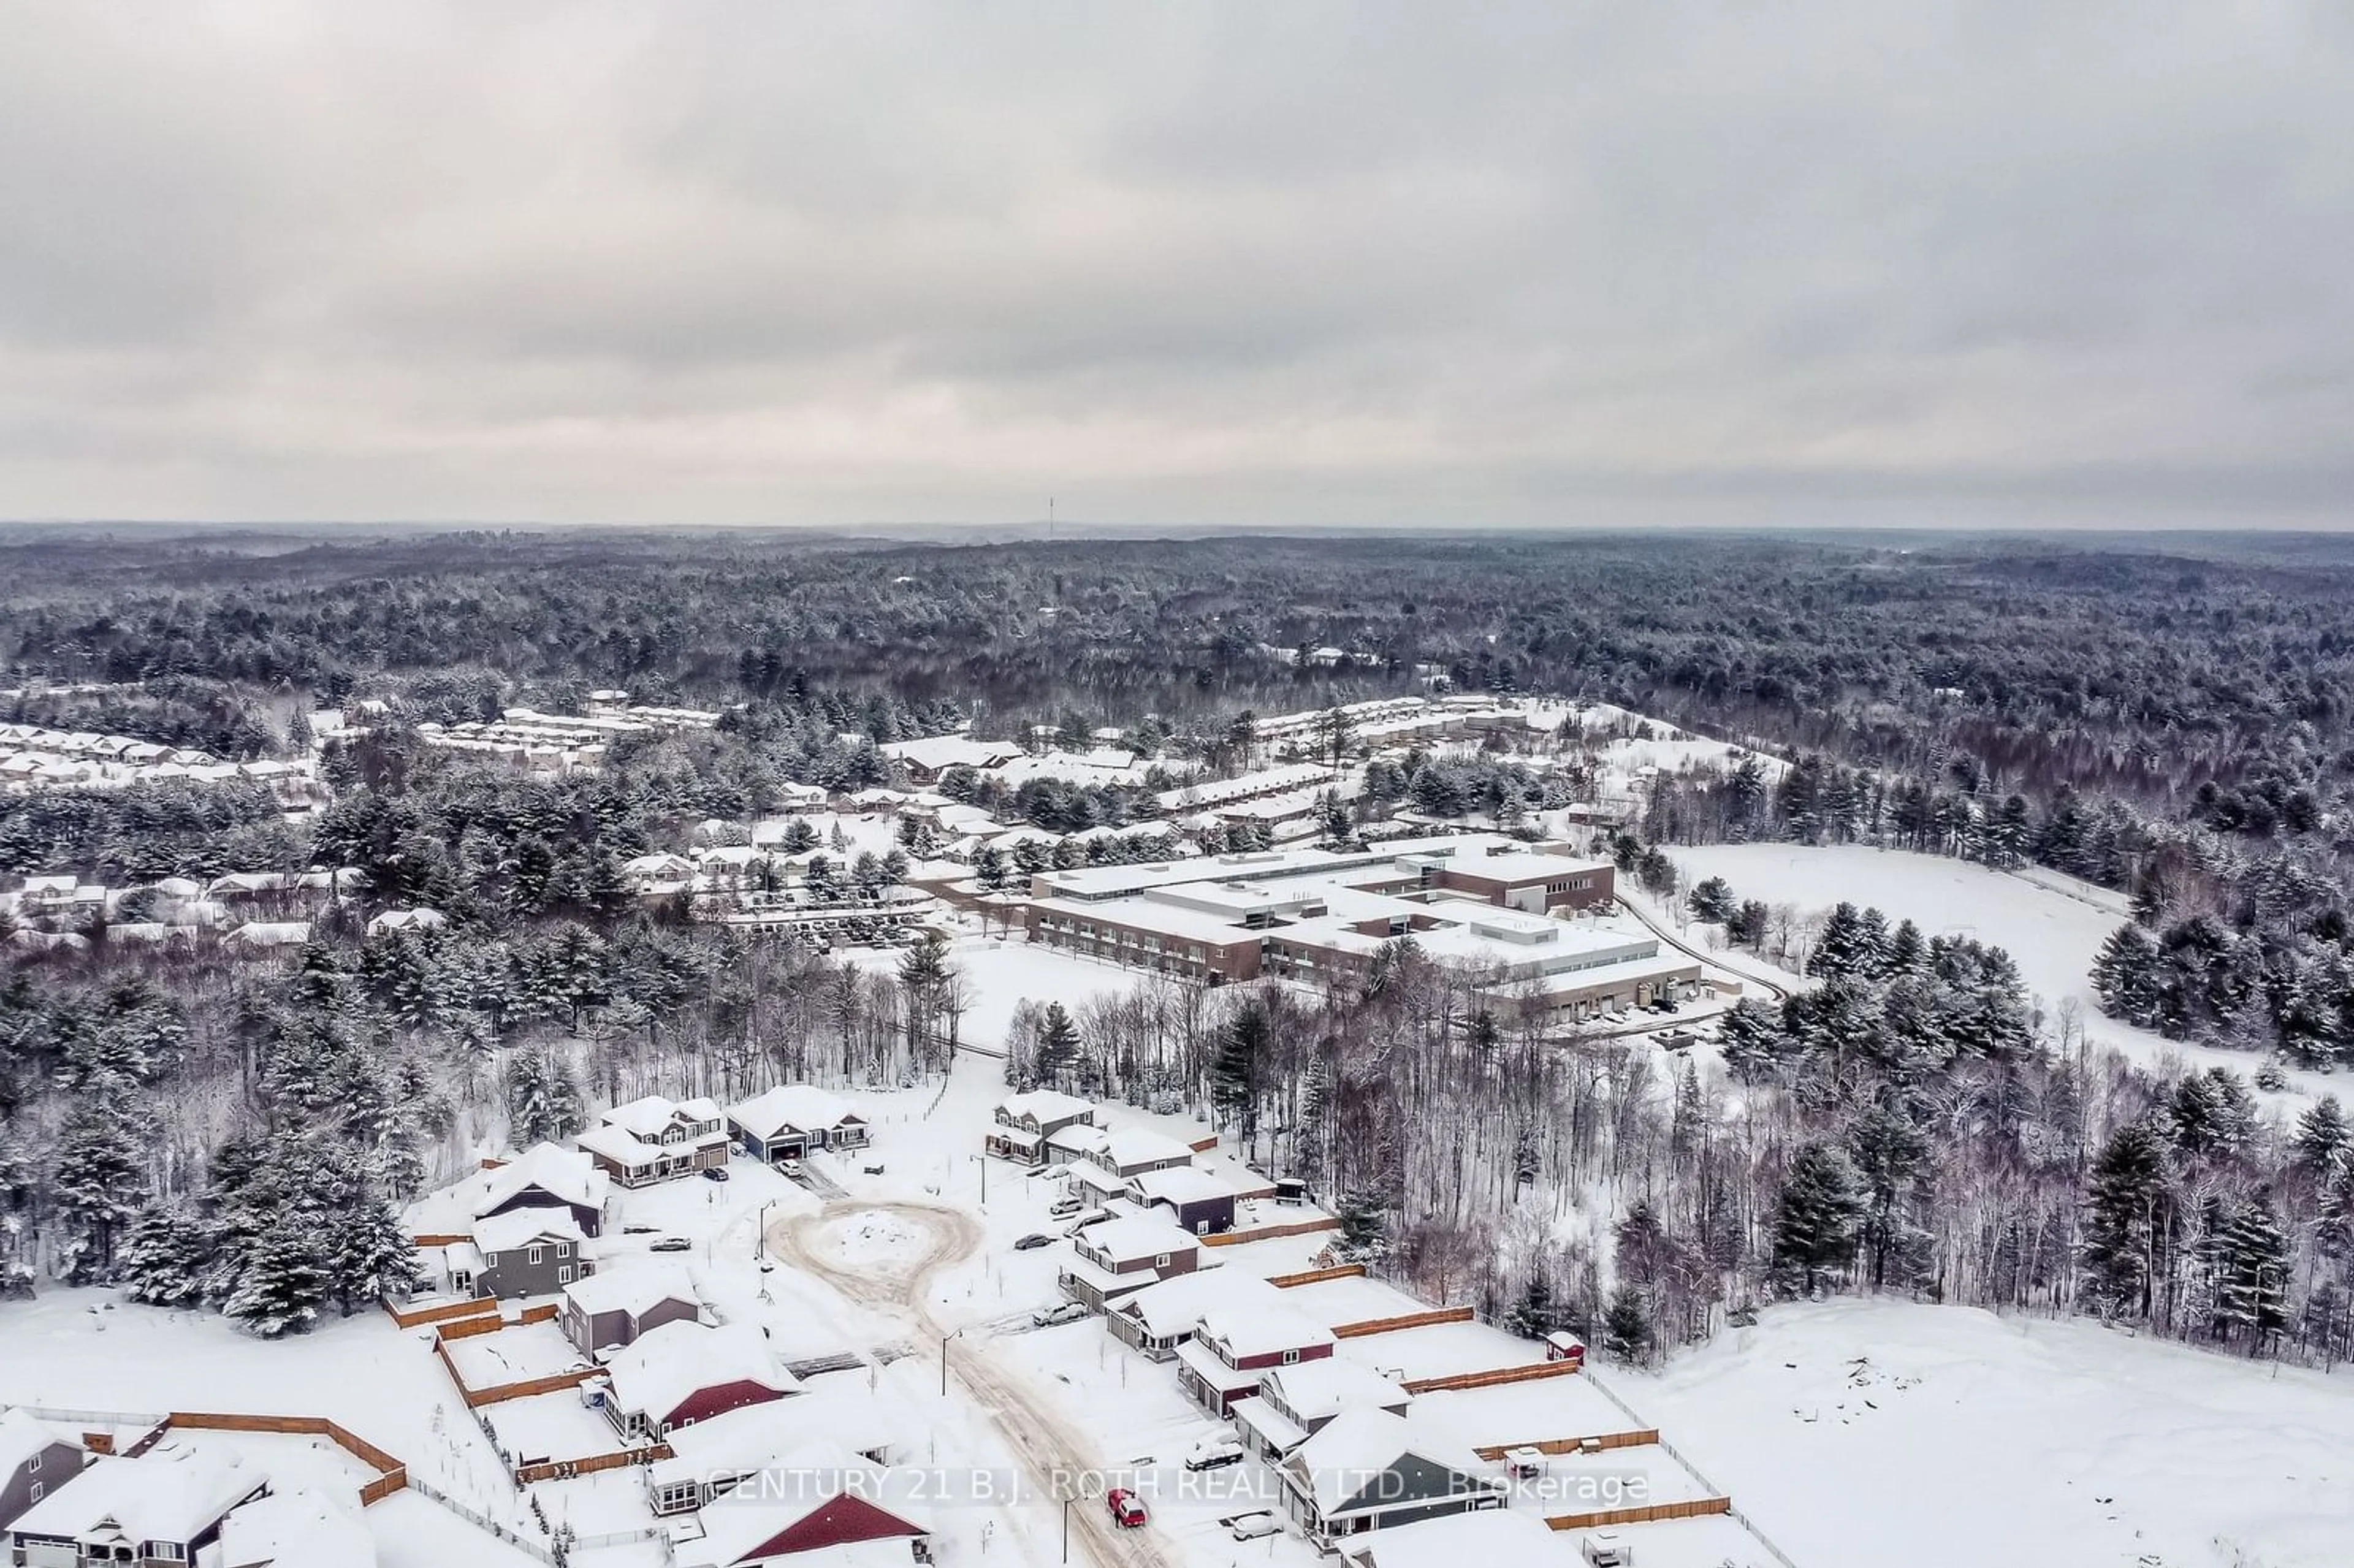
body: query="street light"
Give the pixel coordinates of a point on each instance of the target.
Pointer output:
(944, 1359)
(983, 1158)
(760, 1238)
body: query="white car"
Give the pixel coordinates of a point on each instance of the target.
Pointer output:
(1063, 1312)
(1211, 1452)
(1257, 1526)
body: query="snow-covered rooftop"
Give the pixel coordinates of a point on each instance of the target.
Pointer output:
(798, 1107)
(169, 1493)
(657, 1373)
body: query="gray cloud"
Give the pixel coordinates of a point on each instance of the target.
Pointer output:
(1347, 263)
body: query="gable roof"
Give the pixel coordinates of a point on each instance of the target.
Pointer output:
(1339, 1464)
(1482, 1535)
(798, 1107)
(561, 1173)
(664, 1367)
(22, 1435)
(1045, 1105)
(1137, 1235)
(1179, 1185)
(1330, 1386)
(840, 1409)
(1174, 1305)
(830, 1507)
(1264, 1331)
(634, 1288)
(649, 1115)
(295, 1530)
(519, 1227)
(169, 1493)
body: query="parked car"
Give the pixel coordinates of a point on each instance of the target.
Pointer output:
(637, 1230)
(874, 1170)
(1061, 1312)
(1056, 1172)
(671, 1243)
(714, 1173)
(1126, 1507)
(1034, 1241)
(1211, 1452)
(789, 1167)
(1087, 1217)
(1064, 1208)
(1257, 1527)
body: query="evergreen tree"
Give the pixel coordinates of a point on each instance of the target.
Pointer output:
(283, 1284)
(1058, 1044)
(2323, 1138)
(166, 1257)
(100, 1182)
(1627, 1327)
(2251, 1269)
(1712, 900)
(2128, 1222)
(1821, 1217)
(1364, 1236)
(2125, 976)
(1243, 1047)
(1534, 1315)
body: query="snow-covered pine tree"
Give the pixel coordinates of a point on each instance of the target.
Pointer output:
(1821, 1219)
(283, 1284)
(100, 1179)
(165, 1255)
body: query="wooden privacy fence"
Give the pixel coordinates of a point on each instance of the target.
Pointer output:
(499, 1393)
(1404, 1321)
(1641, 1438)
(1317, 1276)
(441, 1311)
(392, 1475)
(1272, 1233)
(1602, 1518)
(467, 1327)
(565, 1470)
(1491, 1378)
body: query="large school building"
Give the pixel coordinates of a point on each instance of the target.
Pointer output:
(1532, 922)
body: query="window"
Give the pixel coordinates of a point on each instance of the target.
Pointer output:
(166, 1552)
(563, 1249)
(38, 1487)
(564, 1274)
(33, 1465)
(1162, 1261)
(1290, 1357)
(535, 1256)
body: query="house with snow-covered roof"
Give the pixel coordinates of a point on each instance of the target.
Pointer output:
(165, 1506)
(301, 1529)
(530, 1252)
(683, 1373)
(1369, 1469)
(716, 1454)
(657, 1140)
(1481, 1535)
(794, 1119)
(1191, 1198)
(1161, 1317)
(542, 1177)
(1021, 1123)
(1295, 1402)
(818, 1504)
(1121, 1256)
(1231, 1351)
(34, 1460)
(619, 1305)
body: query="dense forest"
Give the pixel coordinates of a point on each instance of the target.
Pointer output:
(2168, 719)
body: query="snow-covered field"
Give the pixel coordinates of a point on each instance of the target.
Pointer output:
(1860, 1434)
(2050, 925)
(871, 1237)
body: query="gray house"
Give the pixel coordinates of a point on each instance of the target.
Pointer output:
(1367, 1470)
(530, 1252)
(34, 1462)
(607, 1311)
(166, 1506)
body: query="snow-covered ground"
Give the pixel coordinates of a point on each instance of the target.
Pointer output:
(1861, 1433)
(2052, 925)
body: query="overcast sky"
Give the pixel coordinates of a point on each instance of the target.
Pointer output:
(1251, 264)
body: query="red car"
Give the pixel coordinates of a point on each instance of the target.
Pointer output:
(1127, 1508)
